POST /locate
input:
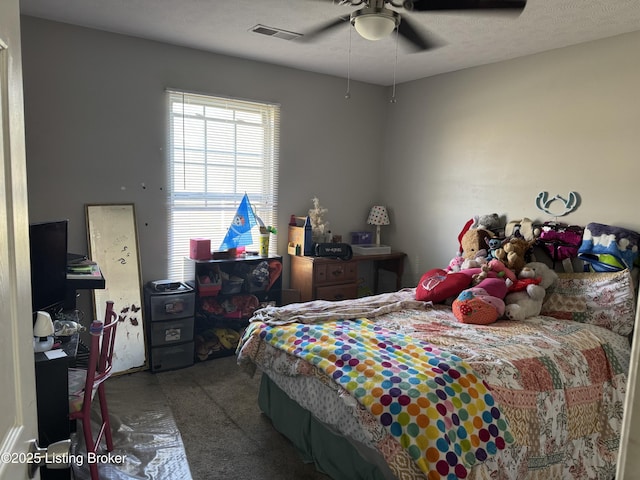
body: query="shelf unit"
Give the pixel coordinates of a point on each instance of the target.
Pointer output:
(228, 291)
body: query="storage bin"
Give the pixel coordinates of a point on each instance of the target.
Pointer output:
(166, 307)
(231, 286)
(209, 281)
(172, 357)
(208, 289)
(171, 331)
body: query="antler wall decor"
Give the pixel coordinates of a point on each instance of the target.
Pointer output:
(543, 202)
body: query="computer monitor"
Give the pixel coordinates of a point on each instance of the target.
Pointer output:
(48, 249)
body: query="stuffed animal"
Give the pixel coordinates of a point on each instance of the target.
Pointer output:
(488, 280)
(513, 253)
(475, 305)
(473, 242)
(438, 285)
(489, 222)
(455, 264)
(494, 268)
(528, 302)
(503, 271)
(493, 244)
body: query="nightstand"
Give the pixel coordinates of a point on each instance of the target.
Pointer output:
(324, 278)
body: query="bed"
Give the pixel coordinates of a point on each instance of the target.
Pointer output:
(388, 387)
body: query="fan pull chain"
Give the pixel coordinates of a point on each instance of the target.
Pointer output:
(348, 94)
(395, 67)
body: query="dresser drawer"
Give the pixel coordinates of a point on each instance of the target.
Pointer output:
(337, 292)
(335, 272)
(171, 331)
(169, 307)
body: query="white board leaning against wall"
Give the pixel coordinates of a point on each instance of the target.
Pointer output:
(113, 245)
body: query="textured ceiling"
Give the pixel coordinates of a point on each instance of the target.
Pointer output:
(224, 26)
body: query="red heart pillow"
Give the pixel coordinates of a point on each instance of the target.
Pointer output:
(437, 285)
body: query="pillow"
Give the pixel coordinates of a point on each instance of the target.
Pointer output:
(437, 285)
(603, 299)
(475, 306)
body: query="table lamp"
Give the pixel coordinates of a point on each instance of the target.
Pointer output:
(378, 216)
(43, 332)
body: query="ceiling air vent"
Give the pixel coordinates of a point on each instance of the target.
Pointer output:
(274, 32)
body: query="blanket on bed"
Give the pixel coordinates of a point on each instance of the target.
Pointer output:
(559, 384)
(430, 401)
(324, 310)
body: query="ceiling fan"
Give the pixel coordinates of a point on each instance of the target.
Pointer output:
(375, 21)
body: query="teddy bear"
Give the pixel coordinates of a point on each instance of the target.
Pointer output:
(526, 301)
(473, 243)
(513, 253)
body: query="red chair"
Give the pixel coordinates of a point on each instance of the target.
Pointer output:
(84, 383)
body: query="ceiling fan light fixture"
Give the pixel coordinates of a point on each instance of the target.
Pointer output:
(375, 23)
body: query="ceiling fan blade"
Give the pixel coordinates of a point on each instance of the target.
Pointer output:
(318, 31)
(430, 5)
(418, 40)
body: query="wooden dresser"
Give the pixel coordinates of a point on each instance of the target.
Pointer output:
(323, 278)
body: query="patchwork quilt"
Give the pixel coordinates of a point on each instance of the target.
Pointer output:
(438, 399)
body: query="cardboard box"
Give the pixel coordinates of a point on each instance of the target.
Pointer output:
(200, 249)
(297, 237)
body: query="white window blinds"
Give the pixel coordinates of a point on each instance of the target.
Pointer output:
(220, 149)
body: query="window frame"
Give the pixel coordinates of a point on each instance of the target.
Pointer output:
(219, 149)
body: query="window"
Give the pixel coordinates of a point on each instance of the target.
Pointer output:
(220, 149)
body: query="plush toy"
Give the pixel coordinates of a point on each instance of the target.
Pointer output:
(455, 264)
(489, 222)
(513, 253)
(474, 241)
(493, 244)
(503, 271)
(437, 285)
(528, 302)
(475, 305)
(493, 280)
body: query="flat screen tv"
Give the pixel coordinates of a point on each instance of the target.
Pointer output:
(48, 249)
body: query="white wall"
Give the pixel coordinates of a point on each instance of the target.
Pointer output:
(477, 141)
(489, 139)
(96, 130)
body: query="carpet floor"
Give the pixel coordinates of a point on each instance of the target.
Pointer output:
(225, 435)
(200, 423)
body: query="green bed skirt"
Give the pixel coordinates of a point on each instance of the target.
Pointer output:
(331, 453)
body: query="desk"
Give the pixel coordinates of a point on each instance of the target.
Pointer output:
(332, 279)
(81, 282)
(52, 397)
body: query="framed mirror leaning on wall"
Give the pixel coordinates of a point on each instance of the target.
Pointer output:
(113, 244)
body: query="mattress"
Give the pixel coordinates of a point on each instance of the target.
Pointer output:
(551, 406)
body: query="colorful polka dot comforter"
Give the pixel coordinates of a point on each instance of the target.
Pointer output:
(539, 399)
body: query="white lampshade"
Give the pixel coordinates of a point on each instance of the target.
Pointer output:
(43, 332)
(43, 326)
(378, 216)
(375, 23)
